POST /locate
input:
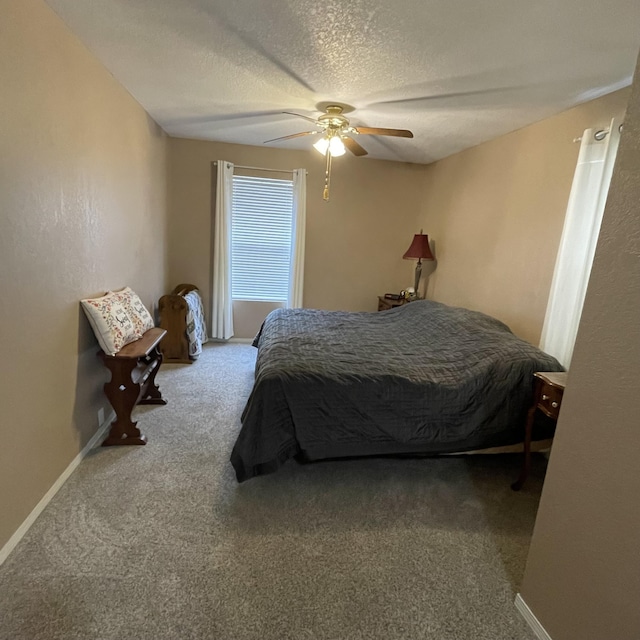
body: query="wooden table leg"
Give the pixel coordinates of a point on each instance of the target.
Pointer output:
(526, 465)
(123, 394)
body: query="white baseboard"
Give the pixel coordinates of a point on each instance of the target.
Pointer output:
(241, 340)
(39, 508)
(530, 618)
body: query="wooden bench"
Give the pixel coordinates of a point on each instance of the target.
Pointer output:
(133, 372)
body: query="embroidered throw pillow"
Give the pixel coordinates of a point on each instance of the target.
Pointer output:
(110, 322)
(142, 320)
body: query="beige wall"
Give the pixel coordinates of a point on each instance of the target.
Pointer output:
(354, 243)
(82, 206)
(583, 573)
(496, 213)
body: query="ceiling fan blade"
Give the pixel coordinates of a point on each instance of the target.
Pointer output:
(293, 135)
(373, 131)
(301, 116)
(354, 147)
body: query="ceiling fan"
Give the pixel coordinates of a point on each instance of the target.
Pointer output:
(337, 132)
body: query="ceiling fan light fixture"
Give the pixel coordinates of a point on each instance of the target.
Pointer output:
(333, 144)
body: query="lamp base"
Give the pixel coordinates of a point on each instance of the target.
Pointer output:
(417, 281)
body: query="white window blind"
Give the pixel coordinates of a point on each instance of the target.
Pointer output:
(261, 229)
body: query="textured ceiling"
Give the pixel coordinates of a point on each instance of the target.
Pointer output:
(455, 72)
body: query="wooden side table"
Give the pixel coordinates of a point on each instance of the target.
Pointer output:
(547, 397)
(133, 372)
(386, 303)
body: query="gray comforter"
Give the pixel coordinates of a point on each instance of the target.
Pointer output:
(421, 378)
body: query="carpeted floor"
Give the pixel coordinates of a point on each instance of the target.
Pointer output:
(160, 542)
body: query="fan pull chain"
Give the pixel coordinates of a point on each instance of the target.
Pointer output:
(327, 178)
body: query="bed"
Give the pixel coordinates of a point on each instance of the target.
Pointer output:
(423, 378)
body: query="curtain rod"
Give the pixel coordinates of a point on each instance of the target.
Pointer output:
(601, 134)
(240, 166)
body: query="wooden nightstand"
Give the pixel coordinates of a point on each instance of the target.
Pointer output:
(547, 397)
(385, 303)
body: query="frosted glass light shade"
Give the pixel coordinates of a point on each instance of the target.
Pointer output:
(322, 145)
(333, 144)
(336, 146)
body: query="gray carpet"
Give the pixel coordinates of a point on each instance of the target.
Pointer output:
(160, 542)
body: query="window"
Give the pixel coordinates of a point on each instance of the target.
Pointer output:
(261, 235)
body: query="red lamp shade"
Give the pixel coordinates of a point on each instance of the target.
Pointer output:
(419, 248)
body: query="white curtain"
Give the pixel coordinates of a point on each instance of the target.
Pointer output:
(578, 243)
(221, 297)
(296, 278)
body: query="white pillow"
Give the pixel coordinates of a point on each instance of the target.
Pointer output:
(130, 300)
(110, 322)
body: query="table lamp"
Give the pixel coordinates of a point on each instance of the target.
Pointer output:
(419, 249)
